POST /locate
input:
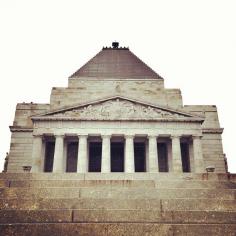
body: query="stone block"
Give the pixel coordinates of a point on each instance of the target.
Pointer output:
(82, 183)
(146, 193)
(75, 203)
(4, 183)
(147, 216)
(117, 229)
(190, 187)
(35, 216)
(116, 192)
(159, 177)
(198, 205)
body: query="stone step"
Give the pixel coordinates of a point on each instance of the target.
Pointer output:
(4, 183)
(75, 203)
(120, 176)
(198, 205)
(82, 183)
(114, 229)
(116, 192)
(35, 216)
(102, 215)
(132, 204)
(175, 193)
(125, 183)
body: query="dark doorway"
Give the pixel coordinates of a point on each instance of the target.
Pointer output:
(117, 157)
(95, 156)
(49, 156)
(185, 157)
(139, 157)
(72, 157)
(162, 157)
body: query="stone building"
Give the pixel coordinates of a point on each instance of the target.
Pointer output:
(116, 153)
(115, 116)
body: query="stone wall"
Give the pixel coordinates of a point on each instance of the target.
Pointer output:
(21, 139)
(211, 141)
(86, 90)
(213, 151)
(24, 111)
(20, 151)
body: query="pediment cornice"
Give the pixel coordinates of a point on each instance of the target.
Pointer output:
(118, 108)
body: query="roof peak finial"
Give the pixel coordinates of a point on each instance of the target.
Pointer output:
(115, 44)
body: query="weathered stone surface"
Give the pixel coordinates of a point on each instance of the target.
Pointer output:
(146, 193)
(102, 215)
(116, 192)
(105, 229)
(35, 216)
(218, 177)
(82, 183)
(130, 206)
(159, 184)
(147, 216)
(75, 203)
(4, 183)
(198, 204)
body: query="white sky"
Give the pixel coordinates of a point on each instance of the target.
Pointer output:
(191, 43)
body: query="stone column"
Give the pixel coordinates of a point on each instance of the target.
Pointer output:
(82, 163)
(169, 155)
(37, 153)
(58, 161)
(197, 154)
(129, 154)
(106, 154)
(153, 154)
(176, 154)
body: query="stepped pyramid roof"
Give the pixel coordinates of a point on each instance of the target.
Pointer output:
(116, 62)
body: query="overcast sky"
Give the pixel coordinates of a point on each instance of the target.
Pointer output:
(190, 43)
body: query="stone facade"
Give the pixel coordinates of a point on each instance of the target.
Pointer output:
(128, 105)
(138, 155)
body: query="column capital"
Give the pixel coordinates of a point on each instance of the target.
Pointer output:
(59, 135)
(129, 136)
(82, 135)
(175, 136)
(153, 136)
(106, 136)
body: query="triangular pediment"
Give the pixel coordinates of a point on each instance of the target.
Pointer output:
(117, 108)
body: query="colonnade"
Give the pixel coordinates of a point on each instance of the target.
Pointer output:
(129, 162)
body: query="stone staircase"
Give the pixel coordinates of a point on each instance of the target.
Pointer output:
(117, 204)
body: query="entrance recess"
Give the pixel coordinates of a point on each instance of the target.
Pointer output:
(162, 157)
(117, 157)
(72, 154)
(95, 156)
(139, 157)
(49, 156)
(185, 157)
